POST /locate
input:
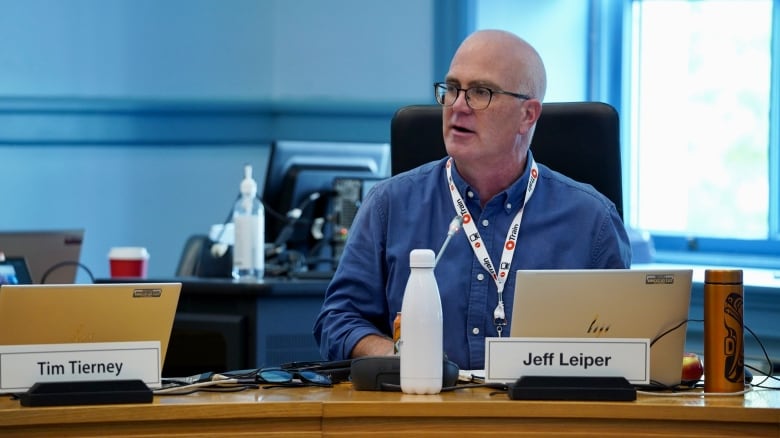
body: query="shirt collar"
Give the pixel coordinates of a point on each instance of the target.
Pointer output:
(512, 198)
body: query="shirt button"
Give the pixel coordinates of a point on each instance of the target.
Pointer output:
(470, 194)
(508, 205)
(480, 276)
(485, 222)
(475, 330)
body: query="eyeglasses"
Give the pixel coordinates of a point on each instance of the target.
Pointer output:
(279, 376)
(476, 97)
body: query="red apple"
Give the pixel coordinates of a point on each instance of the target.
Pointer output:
(692, 368)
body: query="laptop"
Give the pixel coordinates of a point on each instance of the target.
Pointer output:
(14, 270)
(54, 254)
(60, 313)
(610, 303)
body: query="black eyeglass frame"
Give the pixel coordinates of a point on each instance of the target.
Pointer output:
(280, 376)
(444, 87)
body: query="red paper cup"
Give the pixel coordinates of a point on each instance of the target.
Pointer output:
(128, 262)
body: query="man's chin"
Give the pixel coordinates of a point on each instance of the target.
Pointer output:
(465, 152)
(459, 140)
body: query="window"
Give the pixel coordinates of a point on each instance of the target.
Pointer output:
(700, 93)
(700, 104)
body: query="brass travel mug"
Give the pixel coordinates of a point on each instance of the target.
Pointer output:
(724, 350)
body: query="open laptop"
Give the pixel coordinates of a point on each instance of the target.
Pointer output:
(52, 253)
(611, 303)
(116, 312)
(14, 270)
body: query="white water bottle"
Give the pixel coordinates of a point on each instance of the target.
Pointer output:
(422, 346)
(249, 229)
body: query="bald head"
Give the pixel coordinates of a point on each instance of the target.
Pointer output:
(513, 61)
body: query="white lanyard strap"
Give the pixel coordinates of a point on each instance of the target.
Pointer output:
(499, 276)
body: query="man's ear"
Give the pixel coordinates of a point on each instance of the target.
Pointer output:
(532, 109)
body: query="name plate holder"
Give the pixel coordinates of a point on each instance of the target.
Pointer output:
(86, 393)
(568, 368)
(81, 373)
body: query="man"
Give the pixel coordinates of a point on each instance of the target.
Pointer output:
(492, 98)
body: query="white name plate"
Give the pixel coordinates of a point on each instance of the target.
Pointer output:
(21, 366)
(507, 359)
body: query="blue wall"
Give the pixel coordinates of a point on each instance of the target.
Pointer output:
(133, 118)
(340, 50)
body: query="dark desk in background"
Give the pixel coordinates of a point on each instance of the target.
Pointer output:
(226, 325)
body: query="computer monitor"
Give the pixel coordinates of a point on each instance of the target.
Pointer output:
(299, 188)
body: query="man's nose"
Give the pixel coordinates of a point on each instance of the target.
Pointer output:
(461, 103)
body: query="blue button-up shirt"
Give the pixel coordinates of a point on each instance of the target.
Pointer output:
(566, 225)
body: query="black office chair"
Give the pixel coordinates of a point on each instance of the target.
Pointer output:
(579, 139)
(197, 259)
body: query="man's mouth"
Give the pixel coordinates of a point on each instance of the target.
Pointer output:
(462, 129)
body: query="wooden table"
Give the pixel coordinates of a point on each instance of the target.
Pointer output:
(341, 411)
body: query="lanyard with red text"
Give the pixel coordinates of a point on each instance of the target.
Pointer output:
(499, 277)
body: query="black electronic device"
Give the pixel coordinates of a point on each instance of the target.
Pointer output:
(383, 373)
(346, 201)
(572, 388)
(86, 393)
(348, 195)
(300, 169)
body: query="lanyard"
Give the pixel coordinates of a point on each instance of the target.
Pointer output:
(477, 245)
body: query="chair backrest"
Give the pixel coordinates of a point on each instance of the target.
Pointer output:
(579, 139)
(197, 260)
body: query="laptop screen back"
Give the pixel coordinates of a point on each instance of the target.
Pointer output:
(63, 314)
(613, 303)
(50, 253)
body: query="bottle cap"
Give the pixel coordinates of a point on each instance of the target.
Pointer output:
(422, 258)
(723, 276)
(248, 184)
